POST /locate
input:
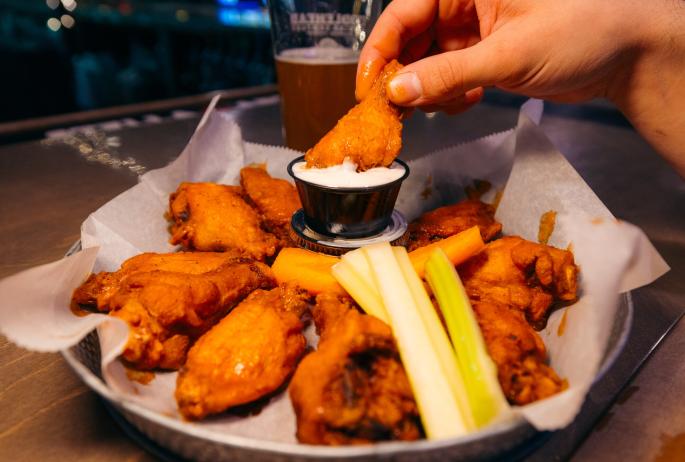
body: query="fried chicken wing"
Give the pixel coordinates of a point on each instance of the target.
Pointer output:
(512, 284)
(170, 300)
(353, 389)
(96, 292)
(248, 355)
(519, 354)
(275, 199)
(452, 219)
(370, 134)
(214, 217)
(522, 275)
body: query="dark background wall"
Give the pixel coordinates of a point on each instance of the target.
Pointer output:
(60, 56)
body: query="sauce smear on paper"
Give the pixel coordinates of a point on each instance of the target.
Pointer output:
(547, 221)
(672, 448)
(562, 324)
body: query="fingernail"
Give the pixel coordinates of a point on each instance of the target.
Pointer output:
(473, 96)
(404, 88)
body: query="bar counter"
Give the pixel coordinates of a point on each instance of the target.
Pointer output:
(49, 187)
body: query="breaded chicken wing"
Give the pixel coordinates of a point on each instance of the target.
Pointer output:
(522, 275)
(214, 217)
(512, 284)
(166, 308)
(275, 199)
(353, 389)
(370, 134)
(96, 292)
(519, 354)
(452, 219)
(246, 356)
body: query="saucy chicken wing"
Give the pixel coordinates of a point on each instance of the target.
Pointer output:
(248, 355)
(353, 389)
(518, 352)
(215, 217)
(96, 292)
(452, 219)
(522, 275)
(512, 284)
(275, 199)
(166, 308)
(370, 134)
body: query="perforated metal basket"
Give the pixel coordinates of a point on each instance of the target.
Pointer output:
(193, 441)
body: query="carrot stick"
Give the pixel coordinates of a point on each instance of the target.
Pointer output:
(312, 270)
(309, 270)
(459, 248)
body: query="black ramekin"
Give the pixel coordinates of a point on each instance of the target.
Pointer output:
(347, 212)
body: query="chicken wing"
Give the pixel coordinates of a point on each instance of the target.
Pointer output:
(167, 309)
(522, 275)
(214, 217)
(353, 389)
(96, 292)
(275, 199)
(519, 354)
(512, 284)
(248, 355)
(452, 219)
(370, 134)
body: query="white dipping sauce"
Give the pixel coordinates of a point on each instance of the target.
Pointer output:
(345, 175)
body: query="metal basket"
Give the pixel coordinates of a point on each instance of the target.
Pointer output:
(192, 441)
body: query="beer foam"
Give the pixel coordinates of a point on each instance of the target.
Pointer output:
(345, 175)
(319, 55)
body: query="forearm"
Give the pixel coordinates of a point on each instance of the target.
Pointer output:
(651, 86)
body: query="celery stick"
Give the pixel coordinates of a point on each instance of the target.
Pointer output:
(438, 407)
(437, 334)
(357, 260)
(478, 371)
(362, 291)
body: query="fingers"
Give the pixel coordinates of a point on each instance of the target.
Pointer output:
(367, 71)
(437, 79)
(457, 104)
(417, 47)
(457, 25)
(401, 21)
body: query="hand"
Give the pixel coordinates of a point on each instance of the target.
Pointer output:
(630, 51)
(566, 50)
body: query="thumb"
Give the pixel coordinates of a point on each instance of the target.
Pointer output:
(441, 77)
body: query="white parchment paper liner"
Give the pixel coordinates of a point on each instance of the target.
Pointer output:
(614, 256)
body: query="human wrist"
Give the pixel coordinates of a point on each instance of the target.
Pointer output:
(649, 85)
(649, 34)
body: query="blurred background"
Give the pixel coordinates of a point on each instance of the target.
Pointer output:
(70, 55)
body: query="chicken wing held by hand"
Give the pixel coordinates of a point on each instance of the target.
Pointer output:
(215, 217)
(248, 355)
(353, 389)
(370, 134)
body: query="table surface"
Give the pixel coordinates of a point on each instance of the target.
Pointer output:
(48, 187)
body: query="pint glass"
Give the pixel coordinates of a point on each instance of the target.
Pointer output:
(316, 46)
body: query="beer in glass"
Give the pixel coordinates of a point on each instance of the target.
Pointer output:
(316, 48)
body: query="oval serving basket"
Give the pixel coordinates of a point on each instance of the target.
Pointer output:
(193, 441)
